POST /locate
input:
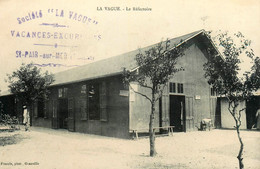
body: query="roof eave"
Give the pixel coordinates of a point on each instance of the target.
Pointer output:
(184, 41)
(86, 79)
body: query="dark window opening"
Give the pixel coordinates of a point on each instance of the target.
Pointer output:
(172, 88)
(213, 91)
(93, 97)
(41, 109)
(180, 88)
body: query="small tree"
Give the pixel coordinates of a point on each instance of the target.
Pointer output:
(29, 84)
(154, 68)
(226, 77)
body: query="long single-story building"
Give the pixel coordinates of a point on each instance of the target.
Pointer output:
(93, 99)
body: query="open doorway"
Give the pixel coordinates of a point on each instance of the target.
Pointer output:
(177, 112)
(63, 113)
(251, 108)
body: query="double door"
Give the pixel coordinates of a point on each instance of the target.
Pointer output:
(62, 114)
(181, 113)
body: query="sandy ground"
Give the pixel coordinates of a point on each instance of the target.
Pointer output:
(60, 149)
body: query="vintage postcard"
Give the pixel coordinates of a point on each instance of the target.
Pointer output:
(96, 115)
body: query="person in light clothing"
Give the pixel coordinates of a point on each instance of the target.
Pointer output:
(26, 118)
(258, 119)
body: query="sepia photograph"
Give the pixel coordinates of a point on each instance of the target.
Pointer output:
(130, 84)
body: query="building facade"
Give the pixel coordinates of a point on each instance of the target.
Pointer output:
(93, 99)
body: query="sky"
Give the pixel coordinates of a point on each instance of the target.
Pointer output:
(77, 32)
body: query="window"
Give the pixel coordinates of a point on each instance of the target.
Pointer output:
(83, 89)
(172, 88)
(213, 91)
(41, 108)
(60, 92)
(63, 92)
(180, 88)
(93, 97)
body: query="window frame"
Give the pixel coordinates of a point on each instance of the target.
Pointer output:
(176, 88)
(63, 92)
(97, 116)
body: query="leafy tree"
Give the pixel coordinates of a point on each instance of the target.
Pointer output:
(1, 108)
(29, 84)
(154, 68)
(225, 74)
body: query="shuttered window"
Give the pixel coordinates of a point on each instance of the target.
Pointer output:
(55, 123)
(70, 107)
(94, 101)
(83, 108)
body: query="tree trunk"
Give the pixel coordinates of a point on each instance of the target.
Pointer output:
(240, 154)
(236, 117)
(151, 133)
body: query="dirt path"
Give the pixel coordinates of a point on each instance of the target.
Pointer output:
(59, 149)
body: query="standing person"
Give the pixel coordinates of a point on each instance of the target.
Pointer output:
(258, 119)
(26, 118)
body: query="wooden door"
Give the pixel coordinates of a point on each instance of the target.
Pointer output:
(71, 116)
(213, 107)
(164, 119)
(190, 125)
(55, 121)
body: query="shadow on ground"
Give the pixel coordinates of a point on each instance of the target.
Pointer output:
(10, 138)
(159, 165)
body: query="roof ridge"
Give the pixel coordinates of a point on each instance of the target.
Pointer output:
(102, 60)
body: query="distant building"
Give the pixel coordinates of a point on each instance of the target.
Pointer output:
(251, 108)
(227, 120)
(93, 99)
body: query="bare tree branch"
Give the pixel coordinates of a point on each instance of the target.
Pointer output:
(141, 94)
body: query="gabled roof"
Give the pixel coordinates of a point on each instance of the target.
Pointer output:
(110, 66)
